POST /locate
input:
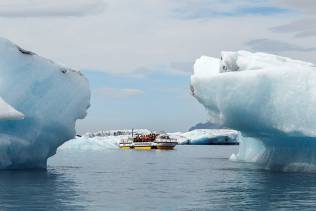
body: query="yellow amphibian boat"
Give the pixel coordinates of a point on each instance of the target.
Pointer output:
(148, 142)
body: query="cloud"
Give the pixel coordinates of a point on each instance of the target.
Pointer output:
(143, 35)
(269, 45)
(173, 67)
(306, 27)
(205, 9)
(119, 93)
(209, 13)
(185, 67)
(301, 28)
(304, 6)
(50, 8)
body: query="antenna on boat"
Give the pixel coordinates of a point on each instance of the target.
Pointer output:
(132, 132)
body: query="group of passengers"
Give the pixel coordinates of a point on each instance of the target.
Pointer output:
(145, 138)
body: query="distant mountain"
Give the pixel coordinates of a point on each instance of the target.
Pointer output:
(205, 125)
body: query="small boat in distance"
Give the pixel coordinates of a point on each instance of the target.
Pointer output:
(148, 142)
(163, 141)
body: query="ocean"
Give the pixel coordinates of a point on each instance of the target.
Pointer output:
(187, 178)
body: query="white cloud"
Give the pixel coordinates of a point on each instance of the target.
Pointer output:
(137, 35)
(301, 28)
(50, 8)
(304, 27)
(275, 46)
(119, 93)
(305, 6)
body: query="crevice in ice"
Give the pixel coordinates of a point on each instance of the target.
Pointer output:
(7, 112)
(26, 52)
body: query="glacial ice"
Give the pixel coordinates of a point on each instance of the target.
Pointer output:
(269, 98)
(104, 140)
(7, 112)
(100, 140)
(85, 143)
(40, 103)
(206, 136)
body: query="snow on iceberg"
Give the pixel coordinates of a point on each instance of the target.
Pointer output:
(40, 103)
(108, 133)
(207, 137)
(96, 143)
(101, 140)
(270, 99)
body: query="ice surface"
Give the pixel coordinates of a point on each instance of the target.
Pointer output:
(206, 136)
(101, 140)
(48, 96)
(107, 133)
(270, 99)
(7, 112)
(97, 143)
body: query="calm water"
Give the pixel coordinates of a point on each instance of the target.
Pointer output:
(188, 178)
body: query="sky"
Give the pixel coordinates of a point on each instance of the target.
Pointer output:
(138, 54)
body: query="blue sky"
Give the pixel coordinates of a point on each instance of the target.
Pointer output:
(158, 101)
(138, 54)
(206, 10)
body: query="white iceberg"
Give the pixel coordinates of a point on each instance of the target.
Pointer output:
(40, 103)
(270, 99)
(7, 112)
(97, 143)
(124, 132)
(100, 140)
(207, 137)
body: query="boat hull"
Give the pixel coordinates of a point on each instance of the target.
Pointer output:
(126, 147)
(143, 147)
(165, 147)
(162, 147)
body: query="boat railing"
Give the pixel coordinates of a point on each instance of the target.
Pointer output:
(126, 141)
(169, 140)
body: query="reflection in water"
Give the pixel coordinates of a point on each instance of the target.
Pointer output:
(29, 190)
(188, 178)
(258, 189)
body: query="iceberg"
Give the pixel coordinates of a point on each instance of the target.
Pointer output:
(7, 112)
(269, 98)
(85, 143)
(100, 140)
(115, 133)
(207, 137)
(40, 102)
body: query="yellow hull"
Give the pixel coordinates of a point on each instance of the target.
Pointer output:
(125, 147)
(142, 147)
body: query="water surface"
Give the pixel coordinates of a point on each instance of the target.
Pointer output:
(188, 178)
